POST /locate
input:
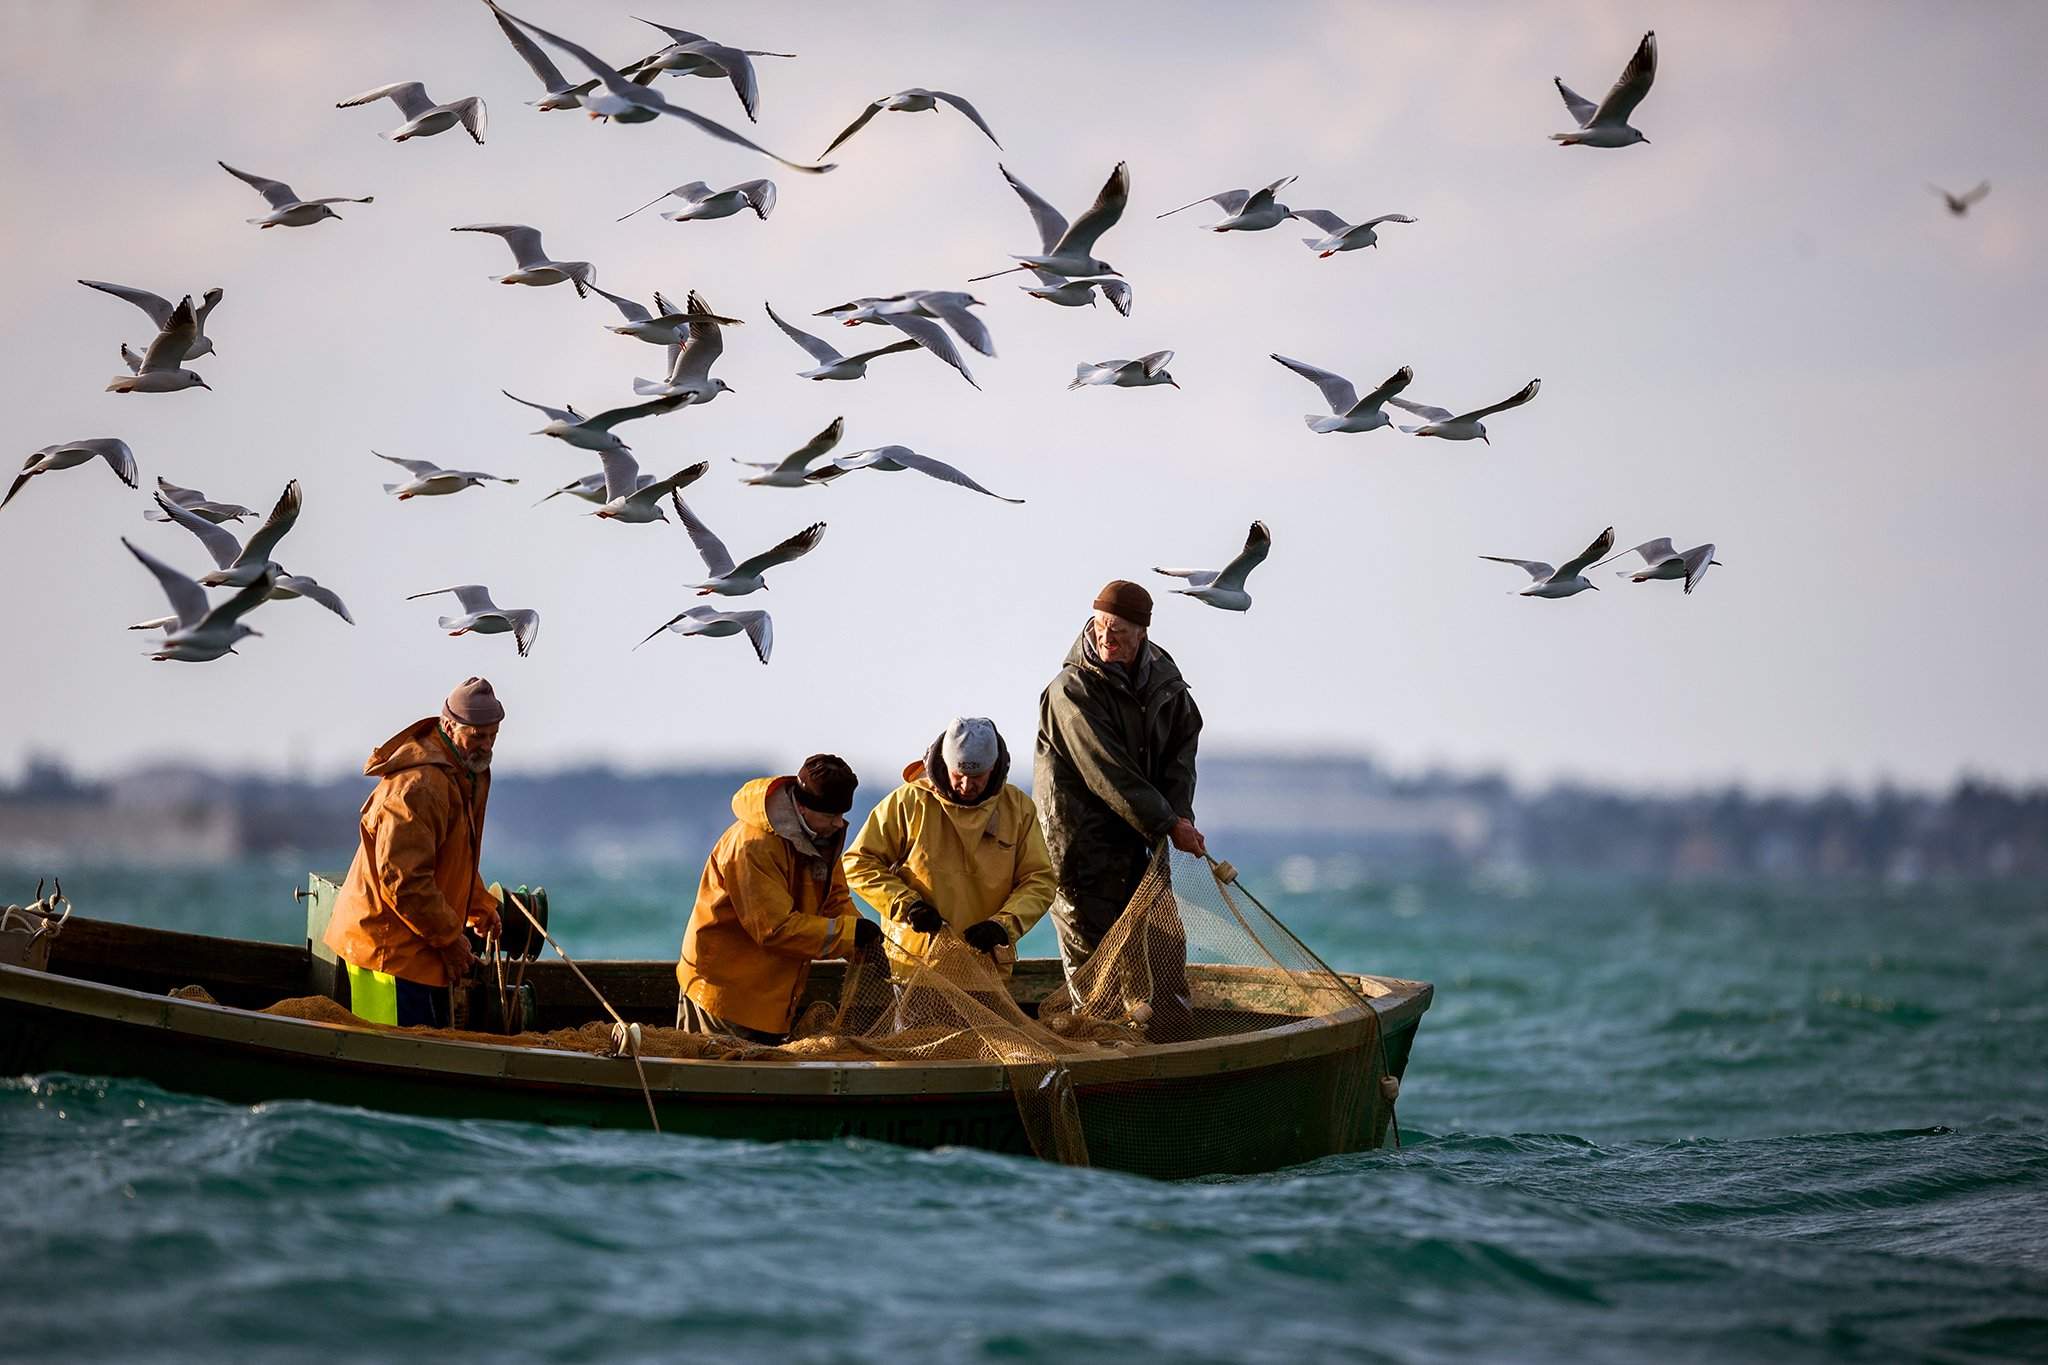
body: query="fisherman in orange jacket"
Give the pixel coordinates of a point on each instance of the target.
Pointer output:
(772, 898)
(414, 883)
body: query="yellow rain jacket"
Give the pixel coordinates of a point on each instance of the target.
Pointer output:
(771, 899)
(972, 862)
(414, 881)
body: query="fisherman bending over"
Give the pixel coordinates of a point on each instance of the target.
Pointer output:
(954, 849)
(772, 898)
(414, 882)
(1115, 775)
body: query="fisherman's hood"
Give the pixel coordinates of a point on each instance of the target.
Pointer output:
(418, 745)
(1155, 667)
(769, 804)
(930, 773)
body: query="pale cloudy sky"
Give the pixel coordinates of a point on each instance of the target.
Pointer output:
(1760, 330)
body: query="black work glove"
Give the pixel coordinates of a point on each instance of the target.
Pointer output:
(866, 934)
(986, 936)
(925, 918)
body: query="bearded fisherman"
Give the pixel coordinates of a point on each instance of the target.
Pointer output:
(954, 850)
(771, 899)
(414, 885)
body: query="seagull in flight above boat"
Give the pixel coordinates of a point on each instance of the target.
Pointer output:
(535, 267)
(1081, 293)
(240, 563)
(949, 306)
(1339, 235)
(757, 626)
(791, 470)
(561, 94)
(689, 364)
(1245, 210)
(1661, 561)
(1143, 372)
(705, 203)
(196, 631)
(1606, 124)
(624, 100)
(912, 101)
(1567, 578)
(1224, 587)
(1464, 426)
(593, 433)
(1348, 412)
(737, 580)
(831, 364)
(161, 369)
(423, 117)
(692, 54)
(1066, 250)
(481, 616)
(198, 504)
(664, 325)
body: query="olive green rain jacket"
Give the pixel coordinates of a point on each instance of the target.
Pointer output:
(971, 861)
(1115, 768)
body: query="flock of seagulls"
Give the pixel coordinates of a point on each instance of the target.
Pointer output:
(1064, 267)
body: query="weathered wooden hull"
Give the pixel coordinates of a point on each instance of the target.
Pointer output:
(1249, 1103)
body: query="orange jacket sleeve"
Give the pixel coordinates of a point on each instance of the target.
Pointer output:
(762, 902)
(405, 834)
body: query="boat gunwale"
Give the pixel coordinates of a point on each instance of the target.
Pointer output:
(1399, 1002)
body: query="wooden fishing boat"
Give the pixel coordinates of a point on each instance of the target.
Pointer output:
(1291, 1091)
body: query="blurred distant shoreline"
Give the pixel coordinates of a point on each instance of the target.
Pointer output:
(1350, 817)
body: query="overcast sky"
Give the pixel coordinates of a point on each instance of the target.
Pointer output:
(1760, 330)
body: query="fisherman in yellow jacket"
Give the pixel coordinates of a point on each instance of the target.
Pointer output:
(955, 849)
(771, 899)
(414, 884)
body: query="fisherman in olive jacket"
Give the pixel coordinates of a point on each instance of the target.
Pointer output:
(1115, 767)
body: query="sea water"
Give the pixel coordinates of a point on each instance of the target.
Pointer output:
(1639, 1124)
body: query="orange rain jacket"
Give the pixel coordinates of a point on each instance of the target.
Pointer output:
(414, 881)
(771, 899)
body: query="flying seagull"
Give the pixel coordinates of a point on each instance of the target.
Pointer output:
(663, 325)
(692, 54)
(161, 369)
(286, 208)
(631, 496)
(198, 631)
(1143, 372)
(1224, 587)
(70, 455)
(1661, 561)
(1606, 124)
(1339, 235)
(758, 627)
(912, 101)
(1958, 204)
(793, 469)
(1066, 250)
(561, 94)
(1566, 579)
(1245, 210)
(160, 310)
(737, 580)
(481, 616)
(1348, 412)
(689, 364)
(702, 202)
(197, 503)
(625, 101)
(240, 563)
(429, 480)
(593, 433)
(1081, 293)
(831, 364)
(590, 488)
(423, 117)
(894, 460)
(532, 259)
(949, 306)
(1464, 426)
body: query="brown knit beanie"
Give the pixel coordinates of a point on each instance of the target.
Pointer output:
(473, 703)
(826, 783)
(1121, 597)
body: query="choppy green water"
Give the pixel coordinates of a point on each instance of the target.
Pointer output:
(1667, 1125)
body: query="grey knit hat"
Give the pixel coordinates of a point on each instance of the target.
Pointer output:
(969, 746)
(473, 703)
